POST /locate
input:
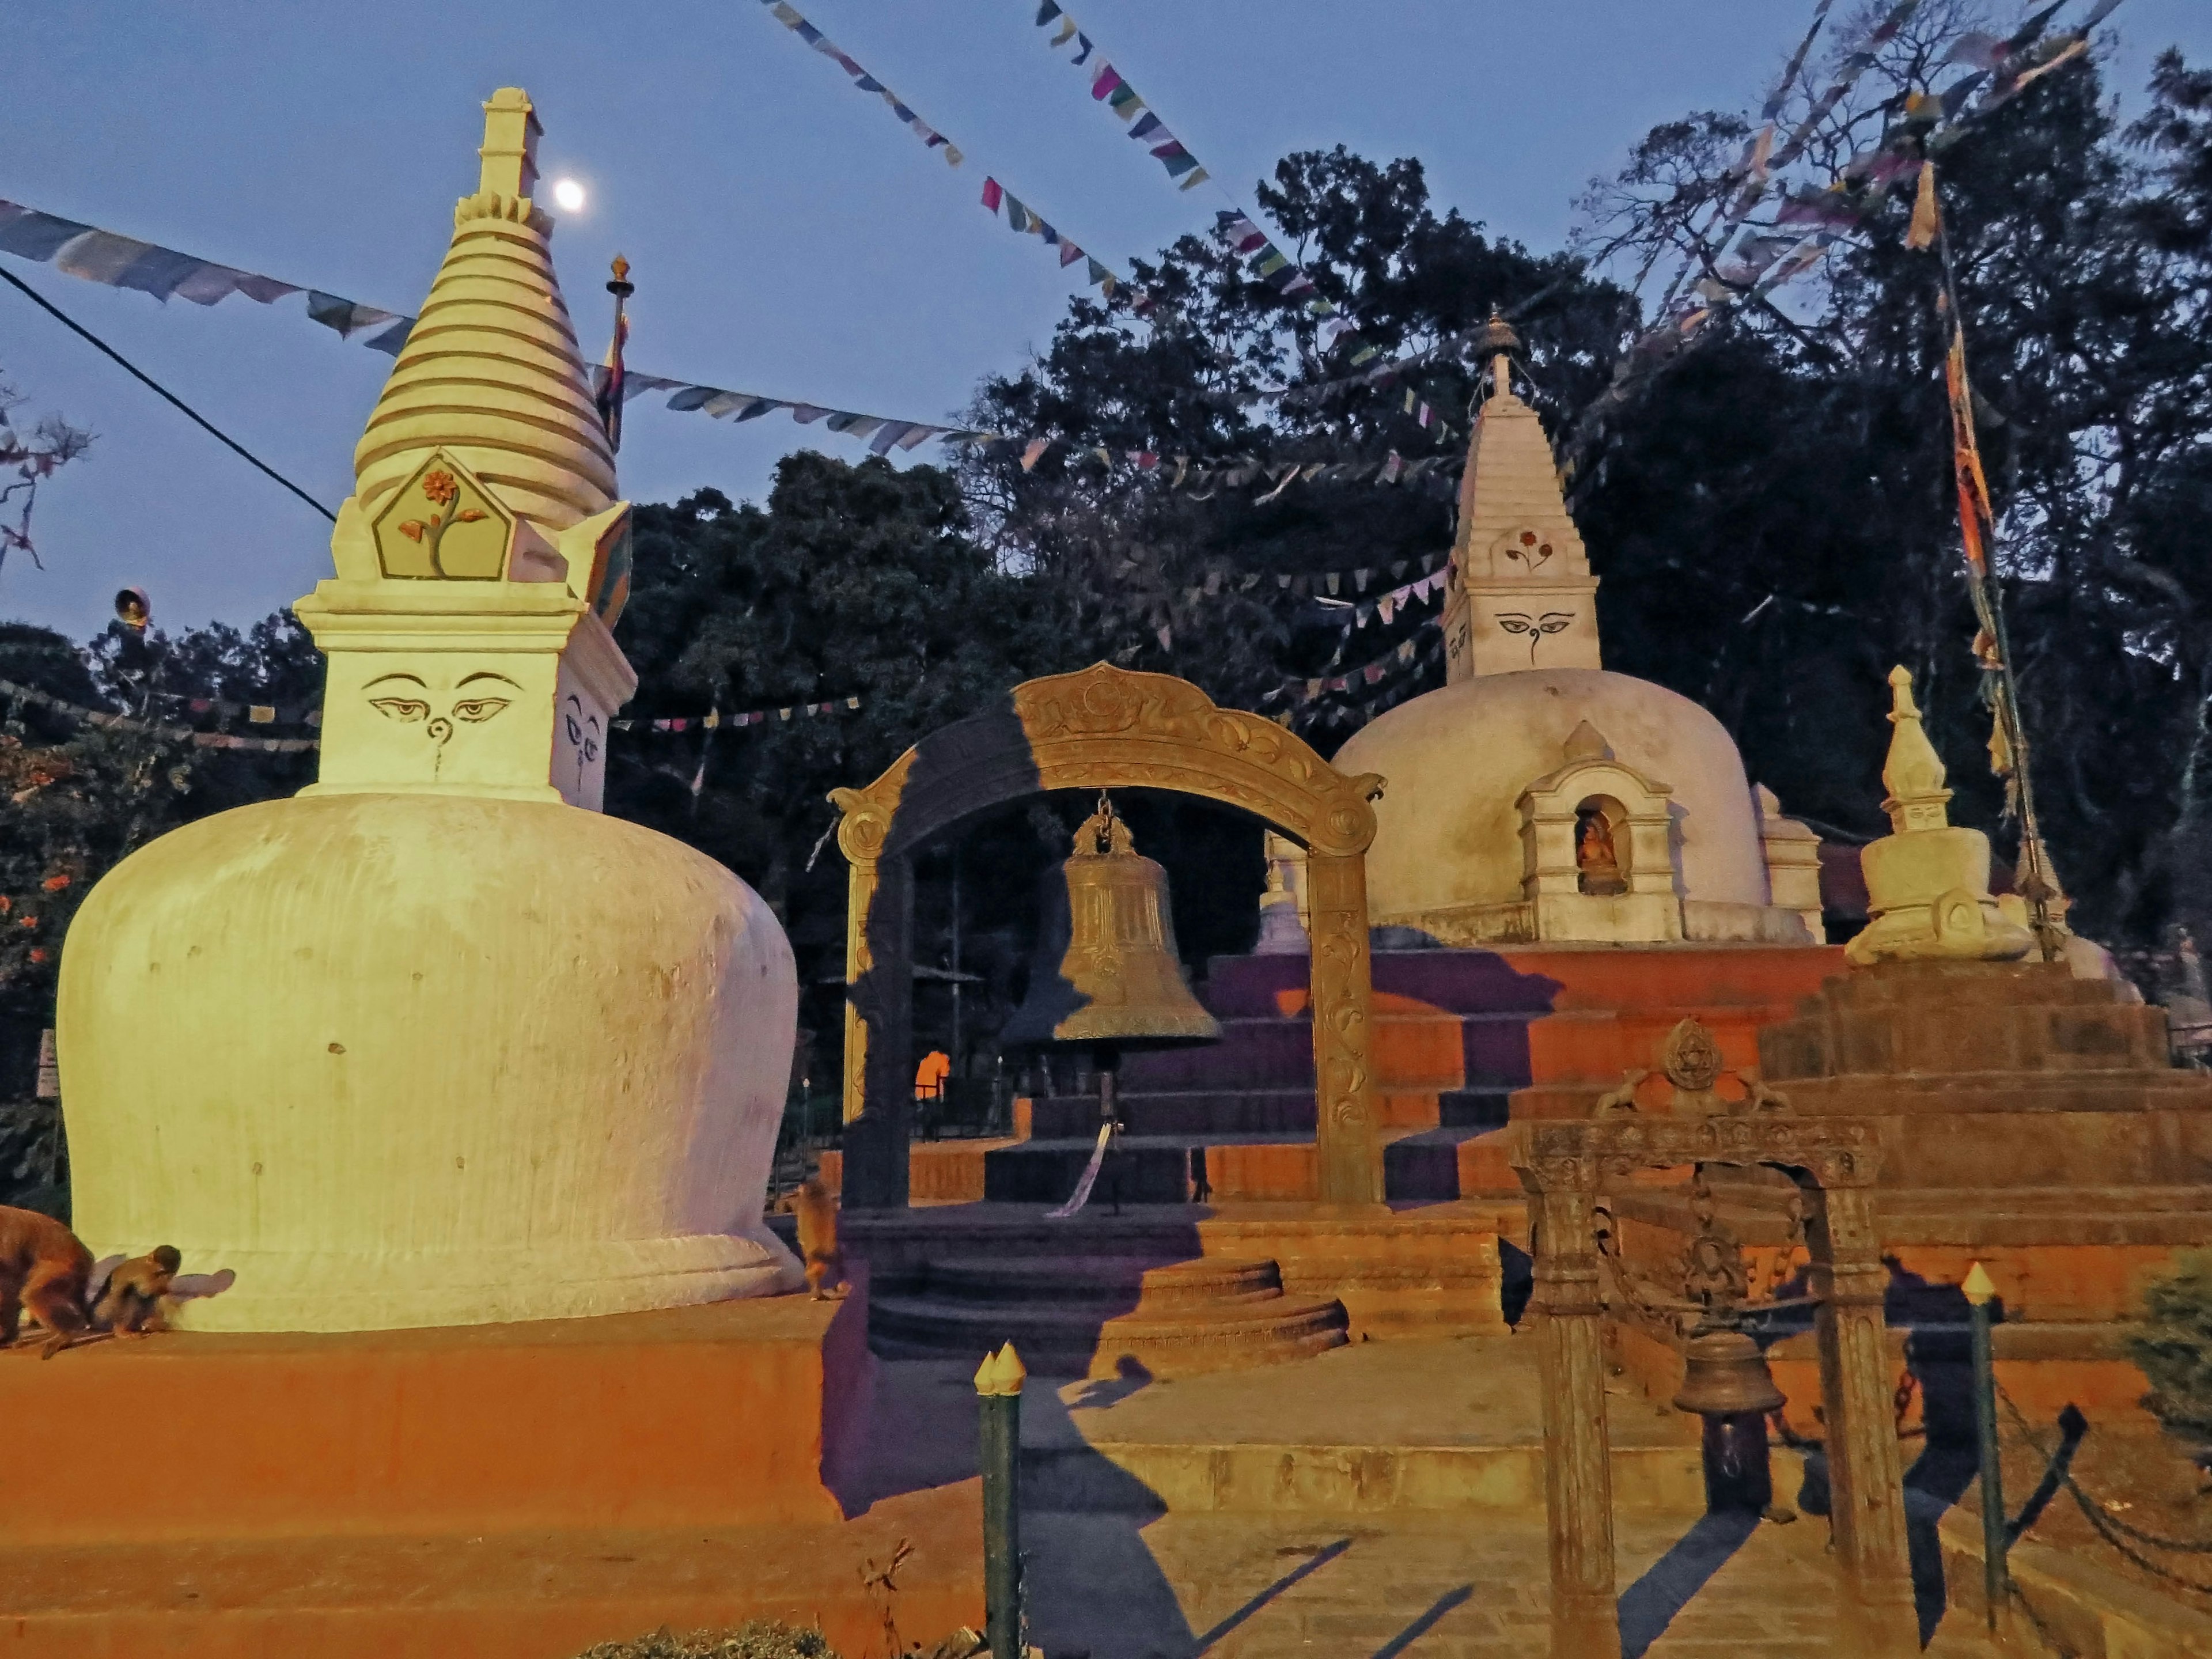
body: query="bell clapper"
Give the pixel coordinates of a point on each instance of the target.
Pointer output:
(1106, 1060)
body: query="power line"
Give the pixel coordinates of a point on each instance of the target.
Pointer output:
(140, 374)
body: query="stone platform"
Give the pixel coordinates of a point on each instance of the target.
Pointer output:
(1383, 1498)
(2029, 1121)
(236, 1494)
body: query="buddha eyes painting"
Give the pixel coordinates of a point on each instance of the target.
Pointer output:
(408, 699)
(581, 728)
(1536, 628)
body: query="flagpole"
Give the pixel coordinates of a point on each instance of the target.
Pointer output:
(2039, 885)
(611, 392)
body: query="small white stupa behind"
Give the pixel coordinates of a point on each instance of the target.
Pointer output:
(436, 1042)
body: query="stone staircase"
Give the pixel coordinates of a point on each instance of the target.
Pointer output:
(1103, 1315)
(1461, 1041)
(1214, 1179)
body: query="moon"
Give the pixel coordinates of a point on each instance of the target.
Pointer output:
(568, 196)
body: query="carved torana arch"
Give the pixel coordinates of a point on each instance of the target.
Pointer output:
(1104, 728)
(1564, 1165)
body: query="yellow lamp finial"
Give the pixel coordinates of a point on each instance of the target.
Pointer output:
(1979, 1288)
(1913, 773)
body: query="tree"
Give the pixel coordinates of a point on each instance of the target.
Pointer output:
(35, 455)
(1230, 369)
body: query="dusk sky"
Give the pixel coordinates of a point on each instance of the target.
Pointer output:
(788, 236)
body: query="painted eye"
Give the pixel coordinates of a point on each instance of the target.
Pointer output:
(575, 731)
(1557, 622)
(1514, 624)
(478, 710)
(405, 709)
(591, 749)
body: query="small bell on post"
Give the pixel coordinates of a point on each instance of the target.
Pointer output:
(1106, 974)
(1725, 1380)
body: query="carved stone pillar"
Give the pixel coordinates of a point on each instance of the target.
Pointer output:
(1865, 1474)
(1577, 1451)
(878, 1004)
(1350, 1157)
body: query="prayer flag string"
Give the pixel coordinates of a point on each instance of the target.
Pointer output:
(260, 714)
(1019, 216)
(714, 719)
(117, 261)
(1268, 262)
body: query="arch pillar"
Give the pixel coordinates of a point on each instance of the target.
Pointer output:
(1349, 1156)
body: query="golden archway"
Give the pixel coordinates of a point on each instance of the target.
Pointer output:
(1104, 728)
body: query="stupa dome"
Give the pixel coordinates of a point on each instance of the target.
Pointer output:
(436, 1041)
(1537, 796)
(1448, 841)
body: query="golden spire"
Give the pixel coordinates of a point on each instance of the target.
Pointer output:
(491, 372)
(1914, 772)
(1523, 595)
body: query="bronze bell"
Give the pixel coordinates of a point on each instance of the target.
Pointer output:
(1725, 1375)
(1106, 971)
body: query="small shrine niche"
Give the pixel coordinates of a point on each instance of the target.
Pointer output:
(1597, 846)
(1601, 855)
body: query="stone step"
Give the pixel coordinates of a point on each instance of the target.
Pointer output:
(1059, 1340)
(1263, 1478)
(1121, 1281)
(1230, 1111)
(1227, 1111)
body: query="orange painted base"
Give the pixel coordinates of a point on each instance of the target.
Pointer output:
(495, 1596)
(518, 1490)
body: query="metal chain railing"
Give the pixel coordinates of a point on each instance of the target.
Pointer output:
(2106, 1525)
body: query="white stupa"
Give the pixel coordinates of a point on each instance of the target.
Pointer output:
(1538, 796)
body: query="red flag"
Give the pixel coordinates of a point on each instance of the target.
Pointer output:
(1976, 524)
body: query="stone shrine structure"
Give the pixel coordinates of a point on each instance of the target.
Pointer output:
(2024, 1117)
(1537, 797)
(436, 1042)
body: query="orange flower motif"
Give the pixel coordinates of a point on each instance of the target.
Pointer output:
(54, 883)
(38, 955)
(27, 921)
(413, 529)
(6, 904)
(439, 486)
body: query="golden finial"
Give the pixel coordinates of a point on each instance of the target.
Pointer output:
(622, 288)
(1914, 772)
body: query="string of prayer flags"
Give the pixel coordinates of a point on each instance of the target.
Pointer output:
(881, 432)
(1109, 87)
(1407, 655)
(117, 261)
(113, 722)
(1270, 264)
(1023, 218)
(788, 15)
(714, 719)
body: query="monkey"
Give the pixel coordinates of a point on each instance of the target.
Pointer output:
(816, 1211)
(132, 1303)
(44, 1267)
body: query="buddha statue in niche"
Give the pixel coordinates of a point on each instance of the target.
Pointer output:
(1597, 865)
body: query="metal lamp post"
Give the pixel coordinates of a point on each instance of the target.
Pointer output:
(1980, 1291)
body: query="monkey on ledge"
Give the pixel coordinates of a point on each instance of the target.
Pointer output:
(45, 1270)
